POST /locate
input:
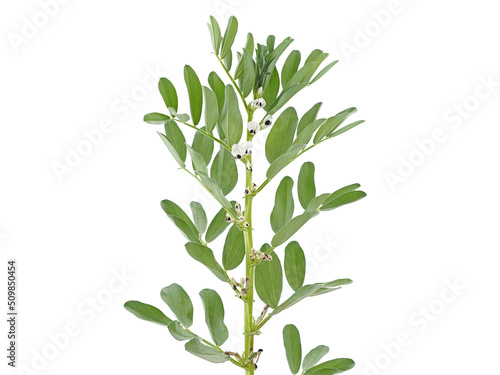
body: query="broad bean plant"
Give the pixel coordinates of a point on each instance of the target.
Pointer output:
(248, 99)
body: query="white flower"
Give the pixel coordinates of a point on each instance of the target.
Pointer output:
(249, 166)
(238, 151)
(247, 147)
(258, 103)
(253, 127)
(260, 91)
(268, 121)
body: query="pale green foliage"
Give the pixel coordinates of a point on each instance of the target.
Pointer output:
(261, 79)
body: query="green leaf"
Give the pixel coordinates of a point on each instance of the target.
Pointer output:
(284, 97)
(229, 35)
(281, 135)
(295, 265)
(179, 332)
(269, 280)
(248, 78)
(305, 185)
(215, 34)
(230, 119)
(310, 290)
(219, 89)
(305, 135)
(228, 60)
(168, 93)
(290, 67)
(249, 46)
(197, 348)
(200, 217)
(212, 186)
(344, 199)
(292, 227)
(211, 109)
(324, 71)
(147, 312)
(199, 163)
(224, 170)
(214, 316)
(203, 145)
(217, 226)
(272, 89)
(340, 192)
(156, 118)
(298, 77)
(309, 117)
(205, 256)
(175, 136)
(234, 248)
(314, 356)
(293, 347)
(345, 128)
(333, 123)
(316, 63)
(179, 302)
(281, 162)
(195, 93)
(180, 219)
(316, 202)
(270, 43)
(334, 366)
(172, 150)
(282, 211)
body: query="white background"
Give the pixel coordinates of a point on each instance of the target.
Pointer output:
(414, 77)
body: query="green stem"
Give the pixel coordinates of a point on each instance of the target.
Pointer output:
(245, 104)
(250, 271)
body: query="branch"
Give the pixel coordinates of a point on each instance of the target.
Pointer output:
(206, 134)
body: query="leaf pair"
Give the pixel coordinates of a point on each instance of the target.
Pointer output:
(293, 349)
(191, 231)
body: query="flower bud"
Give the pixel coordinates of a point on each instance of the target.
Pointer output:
(247, 191)
(245, 224)
(249, 166)
(229, 219)
(247, 147)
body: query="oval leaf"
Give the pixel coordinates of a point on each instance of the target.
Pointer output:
(156, 118)
(217, 226)
(283, 207)
(224, 170)
(215, 34)
(230, 119)
(180, 219)
(344, 199)
(200, 217)
(176, 137)
(214, 316)
(147, 312)
(197, 348)
(219, 89)
(179, 332)
(195, 93)
(292, 227)
(172, 150)
(203, 145)
(290, 67)
(333, 123)
(305, 185)
(293, 347)
(234, 249)
(269, 280)
(314, 356)
(309, 117)
(336, 366)
(168, 93)
(205, 256)
(295, 265)
(281, 135)
(179, 302)
(211, 109)
(229, 35)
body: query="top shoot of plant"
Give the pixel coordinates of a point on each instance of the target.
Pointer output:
(248, 99)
